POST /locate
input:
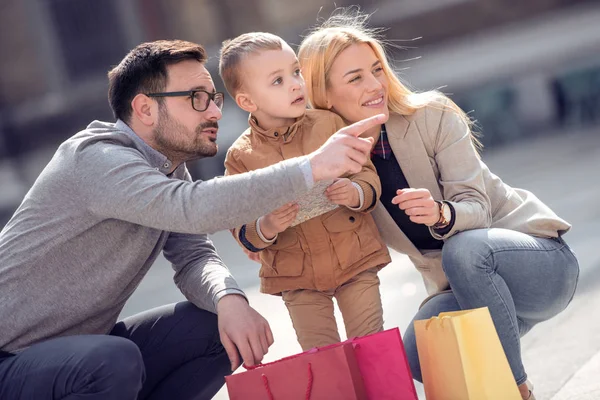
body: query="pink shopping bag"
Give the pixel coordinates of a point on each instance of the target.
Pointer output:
(330, 373)
(376, 369)
(384, 367)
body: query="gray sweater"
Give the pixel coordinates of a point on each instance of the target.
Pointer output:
(97, 218)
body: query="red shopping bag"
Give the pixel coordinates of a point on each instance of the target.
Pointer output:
(384, 367)
(328, 373)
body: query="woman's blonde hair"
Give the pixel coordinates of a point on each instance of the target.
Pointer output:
(348, 26)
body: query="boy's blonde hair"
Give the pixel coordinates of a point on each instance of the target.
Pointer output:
(344, 28)
(235, 50)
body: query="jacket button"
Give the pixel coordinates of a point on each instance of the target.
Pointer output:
(352, 219)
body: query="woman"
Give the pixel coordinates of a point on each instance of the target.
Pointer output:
(477, 241)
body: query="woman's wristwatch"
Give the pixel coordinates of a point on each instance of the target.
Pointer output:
(445, 215)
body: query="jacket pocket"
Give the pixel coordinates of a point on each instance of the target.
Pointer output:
(284, 258)
(352, 237)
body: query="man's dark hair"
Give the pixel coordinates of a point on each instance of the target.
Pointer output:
(144, 70)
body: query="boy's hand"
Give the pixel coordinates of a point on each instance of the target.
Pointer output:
(252, 256)
(343, 192)
(278, 220)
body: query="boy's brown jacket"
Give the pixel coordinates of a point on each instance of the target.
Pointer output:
(323, 252)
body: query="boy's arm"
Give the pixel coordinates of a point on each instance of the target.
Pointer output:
(248, 235)
(369, 183)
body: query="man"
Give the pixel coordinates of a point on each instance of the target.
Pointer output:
(111, 199)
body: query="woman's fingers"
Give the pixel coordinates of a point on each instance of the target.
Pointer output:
(415, 203)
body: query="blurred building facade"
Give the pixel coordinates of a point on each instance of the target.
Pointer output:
(521, 66)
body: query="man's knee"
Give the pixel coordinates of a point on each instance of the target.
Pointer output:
(190, 313)
(94, 366)
(113, 364)
(197, 323)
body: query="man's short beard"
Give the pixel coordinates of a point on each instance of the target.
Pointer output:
(170, 136)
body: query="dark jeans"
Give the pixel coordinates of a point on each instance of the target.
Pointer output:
(170, 352)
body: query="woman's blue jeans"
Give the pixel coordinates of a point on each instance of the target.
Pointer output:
(522, 279)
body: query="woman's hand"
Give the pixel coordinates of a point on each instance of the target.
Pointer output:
(418, 205)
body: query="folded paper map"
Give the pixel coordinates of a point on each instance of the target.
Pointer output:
(314, 203)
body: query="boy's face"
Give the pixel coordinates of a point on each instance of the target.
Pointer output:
(273, 83)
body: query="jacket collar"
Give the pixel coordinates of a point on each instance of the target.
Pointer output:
(284, 133)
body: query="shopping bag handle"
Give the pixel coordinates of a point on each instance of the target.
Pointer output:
(442, 319)
(308, 388)
(311, 351)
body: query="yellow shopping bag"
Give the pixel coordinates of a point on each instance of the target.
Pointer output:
(462, 358)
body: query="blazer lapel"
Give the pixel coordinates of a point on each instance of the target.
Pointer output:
(408, 147)
(409, 150)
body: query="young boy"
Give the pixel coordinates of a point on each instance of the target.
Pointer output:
(335, 254)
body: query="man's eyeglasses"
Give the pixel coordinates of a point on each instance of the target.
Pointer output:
(200, 98)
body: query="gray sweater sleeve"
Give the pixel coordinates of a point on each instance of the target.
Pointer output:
(200, 274)
(120, 184)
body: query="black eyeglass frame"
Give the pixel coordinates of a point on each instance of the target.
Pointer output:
(191, 93)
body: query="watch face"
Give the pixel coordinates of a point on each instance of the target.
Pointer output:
(447, 212)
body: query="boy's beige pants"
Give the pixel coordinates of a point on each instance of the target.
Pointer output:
(312, 310)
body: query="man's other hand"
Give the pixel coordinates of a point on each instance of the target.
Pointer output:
(243, 331)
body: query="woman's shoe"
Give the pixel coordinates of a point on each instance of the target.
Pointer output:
(530, 387)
